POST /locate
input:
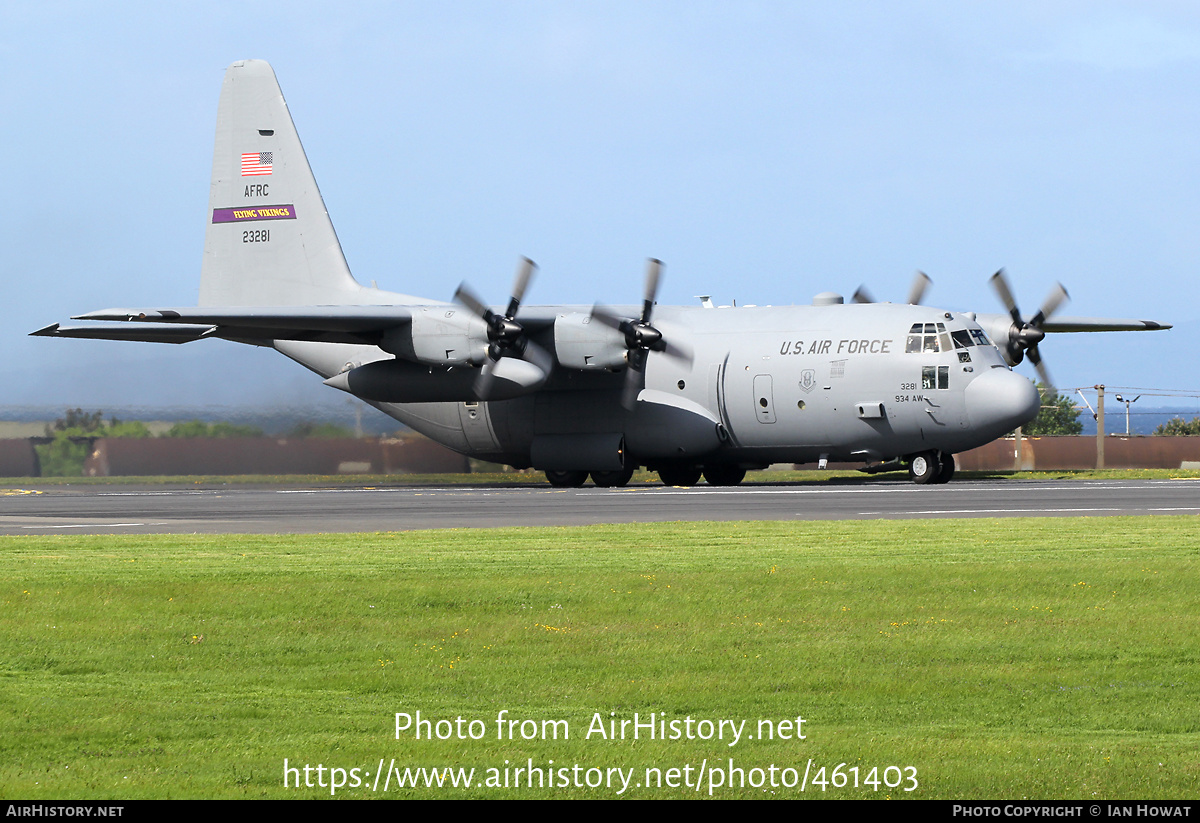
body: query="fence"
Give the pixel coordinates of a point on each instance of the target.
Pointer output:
(266, 455)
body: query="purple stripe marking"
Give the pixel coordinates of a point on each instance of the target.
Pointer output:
(248, 213)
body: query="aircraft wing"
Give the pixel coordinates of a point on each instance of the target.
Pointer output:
(1069, 324)
(1079, 324)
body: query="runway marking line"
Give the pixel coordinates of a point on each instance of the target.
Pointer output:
(95, 525)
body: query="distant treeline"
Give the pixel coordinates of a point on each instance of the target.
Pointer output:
(1177, 427)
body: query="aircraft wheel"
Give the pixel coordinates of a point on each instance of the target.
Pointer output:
(724, 475)
(567, 479)
(679, 477)
(925, 467)
(607, 480)
(947, 469)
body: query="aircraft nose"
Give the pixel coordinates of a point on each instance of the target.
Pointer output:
(999, 400)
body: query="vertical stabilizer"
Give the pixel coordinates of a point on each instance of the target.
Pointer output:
(269, 240)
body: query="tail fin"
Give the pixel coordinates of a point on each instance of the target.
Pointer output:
(269, 240)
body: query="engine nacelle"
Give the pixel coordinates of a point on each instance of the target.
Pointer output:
(581, 343)
(439, 336)
(1004, 333)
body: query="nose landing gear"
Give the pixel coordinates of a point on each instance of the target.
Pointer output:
(926, 468)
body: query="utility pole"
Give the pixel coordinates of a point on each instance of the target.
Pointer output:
(1100, 426)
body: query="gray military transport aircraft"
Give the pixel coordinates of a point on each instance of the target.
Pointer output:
(599, 391)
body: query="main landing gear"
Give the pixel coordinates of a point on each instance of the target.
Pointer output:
(724, 475)
(931, 467)
(607, 480)
(575, 479)
(717, 475)
(679, 476)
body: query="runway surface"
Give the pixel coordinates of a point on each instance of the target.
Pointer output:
(296, 510)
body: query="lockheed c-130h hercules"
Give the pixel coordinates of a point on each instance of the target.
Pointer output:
(578, 391)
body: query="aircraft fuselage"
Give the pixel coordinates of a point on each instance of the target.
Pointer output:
(764, 385)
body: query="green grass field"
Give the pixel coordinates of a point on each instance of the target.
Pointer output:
(1039, 658)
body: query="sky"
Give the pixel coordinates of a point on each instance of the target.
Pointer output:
(766, 151)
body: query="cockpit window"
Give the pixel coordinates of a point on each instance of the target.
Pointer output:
(966, 338)
(927, 337)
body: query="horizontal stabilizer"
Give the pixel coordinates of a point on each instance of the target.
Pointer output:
(312, 318)
(135, 332)
(329, 324)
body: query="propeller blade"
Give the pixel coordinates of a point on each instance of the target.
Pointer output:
(538, 356)
(862, 296)
(483, 383)
(1057, 296)
(469, 299)
(1047, 381)
(1035, 358)
(680, 351)
(653, 272)
(1000, 284)
(635, 379)
(917, 290)
(675, 344)
(633, 387)
(606, 317)
(525, 272)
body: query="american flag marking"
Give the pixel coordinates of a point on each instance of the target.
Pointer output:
(257, 163)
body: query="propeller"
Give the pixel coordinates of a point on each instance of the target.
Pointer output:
(861, 295)
(920, 284)
(641, 338)
(1023, 337)
(505, 335)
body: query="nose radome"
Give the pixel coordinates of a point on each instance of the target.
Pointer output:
(1000, 400)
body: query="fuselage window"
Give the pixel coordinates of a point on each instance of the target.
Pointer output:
(935, 377)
